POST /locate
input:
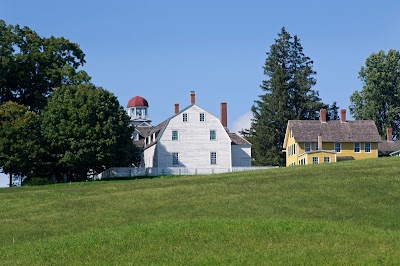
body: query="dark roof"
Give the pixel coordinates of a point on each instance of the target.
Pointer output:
(387, 147)
(238, 140)
(156, 130)
(334, 131)
(144, 131)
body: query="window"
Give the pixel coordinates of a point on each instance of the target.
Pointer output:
(315, 160)
(356, 146)
(326, 159)
(175, 158)
(307, 146)
(292, 149)
(316, 145)
(175, 135)
(213, 158)
(185, 117)
(135, 135)
(213, 135)
(338, 147)
(367, 147)
(202, 117)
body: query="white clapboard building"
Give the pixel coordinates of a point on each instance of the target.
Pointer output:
(191, 139)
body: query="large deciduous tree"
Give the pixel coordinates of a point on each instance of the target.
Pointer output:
(85, 128)
(379, 100)
(288, 95)
(19, 140)
(32, 66)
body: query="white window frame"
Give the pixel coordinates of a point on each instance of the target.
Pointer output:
(213, 158)
(315, 160)
(173, 137)
(327, 159)
(367, 144)
(185, 117)
(357, 147)
(202, 117)
(175, 158)
(307, 146)
(338, 147)
(213, 137)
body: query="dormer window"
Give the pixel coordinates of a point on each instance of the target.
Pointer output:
(135, 135)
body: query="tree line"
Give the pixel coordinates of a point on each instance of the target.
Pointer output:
(288, 95)
(54, 123)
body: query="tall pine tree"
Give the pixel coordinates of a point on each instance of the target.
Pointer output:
(288, 95)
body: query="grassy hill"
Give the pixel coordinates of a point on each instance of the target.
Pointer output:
(343, 213)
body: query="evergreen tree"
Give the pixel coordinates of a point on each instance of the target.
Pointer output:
(288, 95)
(332, 111)
(379, 100)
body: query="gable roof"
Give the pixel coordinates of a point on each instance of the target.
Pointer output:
(334, 131)
(387, 147)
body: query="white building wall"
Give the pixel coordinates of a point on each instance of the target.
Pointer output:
(148, 156)
(194, 145)
(241, 155)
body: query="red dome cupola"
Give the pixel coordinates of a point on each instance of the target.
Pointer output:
(138, 101)
(137, 111)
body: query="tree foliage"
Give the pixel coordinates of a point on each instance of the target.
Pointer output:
(332, 111)
(288, 95)
(379, 100)
(85, 129)
(32, 66)
(19, 145)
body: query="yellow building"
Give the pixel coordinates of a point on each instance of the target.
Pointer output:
(321, 141)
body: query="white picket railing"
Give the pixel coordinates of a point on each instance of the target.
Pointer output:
(120, 172)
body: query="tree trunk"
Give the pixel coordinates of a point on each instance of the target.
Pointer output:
(10, 180)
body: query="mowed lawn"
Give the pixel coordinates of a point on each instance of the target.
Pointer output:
(346, 213)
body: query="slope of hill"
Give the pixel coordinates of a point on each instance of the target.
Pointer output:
(343, 213)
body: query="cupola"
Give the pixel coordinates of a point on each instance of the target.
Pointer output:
(137, 111)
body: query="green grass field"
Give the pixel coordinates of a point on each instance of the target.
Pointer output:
(346, 213)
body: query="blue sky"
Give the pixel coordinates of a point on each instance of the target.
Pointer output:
(161, 50)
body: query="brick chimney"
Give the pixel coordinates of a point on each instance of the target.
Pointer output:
(389, 134)
(322, 115)
(223, 117)
(343, 115)
(176, 108)
(192, 97)
(319, 141)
